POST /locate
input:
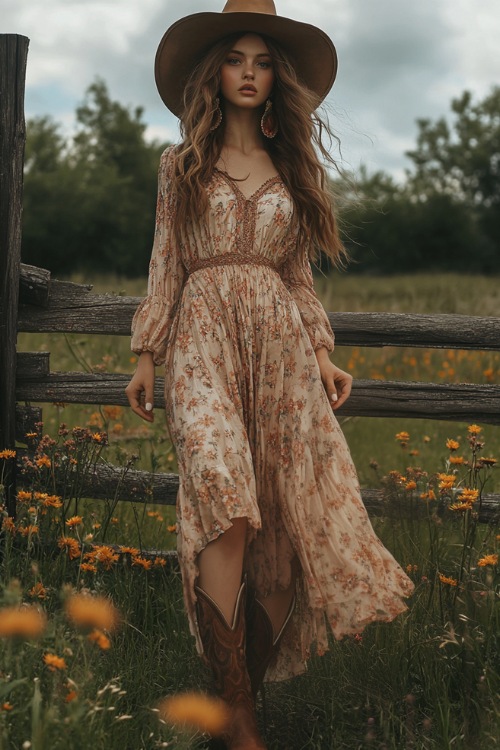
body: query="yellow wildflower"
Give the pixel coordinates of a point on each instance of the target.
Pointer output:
(488, 560)
(88, 567)
(6, 453)
(474, 429)
(195, 711)
(52, 501)
(446, 481)
(129, 550)
(142, 562)
(105, 555)
(92, 612)
(469, 496)
(403, 438)
(38, 590)
(411, 485)
(24, 497)
(54, 662)
(43, 461)
(452, 445)
(460, 507)
(100, 639)
(74, 521)
(448, 581)
(22, 622)
(456, 460)
(427, 439)
(71, 546)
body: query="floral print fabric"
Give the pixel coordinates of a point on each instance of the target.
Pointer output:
(254, 431)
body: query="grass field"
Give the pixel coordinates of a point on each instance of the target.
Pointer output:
(428, 681)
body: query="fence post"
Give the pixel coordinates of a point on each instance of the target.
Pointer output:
(13, 57)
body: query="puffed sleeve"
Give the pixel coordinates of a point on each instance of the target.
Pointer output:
(298, 279)
(154, 316)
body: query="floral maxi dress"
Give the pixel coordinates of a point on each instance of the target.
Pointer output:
(232, 314)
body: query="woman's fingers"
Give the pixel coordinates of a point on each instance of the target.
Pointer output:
(140, 397)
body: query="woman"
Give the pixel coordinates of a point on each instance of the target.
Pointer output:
(273, 539)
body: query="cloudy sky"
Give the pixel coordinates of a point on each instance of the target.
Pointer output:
(398, 60)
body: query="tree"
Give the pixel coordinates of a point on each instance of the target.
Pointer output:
(90, 204)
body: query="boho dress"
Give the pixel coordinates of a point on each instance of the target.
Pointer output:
(232, 314)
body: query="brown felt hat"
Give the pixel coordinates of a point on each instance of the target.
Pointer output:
(187, 40)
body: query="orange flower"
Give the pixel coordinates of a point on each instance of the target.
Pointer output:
(92, 612)
(28, 530)
(452, 445)
(159, 562)
(24, 497)
(98, 637)
(460, 507)
(457, 460)
(38, 590)
(129, 550)
(74, 521)
(9, 525)
(468, 495)
(172, 528)
(446, 481)
(22, 622)
(6, 453)
(54, 662)
(105, 555)
(71, 696)
(411, 485)
(196, 711)
(403, 438)
(488, 560)
(474, 429)
(7, 706)
(142, 562)
(43, 461)
(487, 461)
(88, 567)
(52, 501)
(71, 546)
(448, 581)
(429, 495)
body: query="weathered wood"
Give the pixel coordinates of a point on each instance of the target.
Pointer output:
(27, 418)
(73, 308)
(133, 485)
(33, 365)
(34, 286)
(371, 398)
(13, 57)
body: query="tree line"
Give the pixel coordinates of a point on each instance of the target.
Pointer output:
(89, 201)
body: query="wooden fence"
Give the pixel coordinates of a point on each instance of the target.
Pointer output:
(32, 301)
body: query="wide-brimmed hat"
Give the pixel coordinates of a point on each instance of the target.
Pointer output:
(186, 42)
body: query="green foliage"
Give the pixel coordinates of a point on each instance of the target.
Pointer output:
(89, 203)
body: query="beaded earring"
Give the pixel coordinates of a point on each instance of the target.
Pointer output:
(268, 123)
(218, 115)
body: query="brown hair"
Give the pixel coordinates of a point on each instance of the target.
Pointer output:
(293, 151)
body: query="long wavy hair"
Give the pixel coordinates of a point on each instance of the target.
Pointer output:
(294, 151)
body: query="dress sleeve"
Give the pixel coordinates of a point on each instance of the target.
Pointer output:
(154, 316)
(298, 279)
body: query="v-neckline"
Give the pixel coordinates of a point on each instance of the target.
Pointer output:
(256, 193)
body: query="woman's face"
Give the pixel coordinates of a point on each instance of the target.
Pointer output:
(247, 75)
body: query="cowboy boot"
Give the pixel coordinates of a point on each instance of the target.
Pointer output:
(262, 646)
(224, 647)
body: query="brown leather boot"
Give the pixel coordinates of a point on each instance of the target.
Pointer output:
(224, 648)
(261, 643)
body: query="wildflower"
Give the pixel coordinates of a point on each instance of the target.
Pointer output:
(98, 437)
(114, 520)
(196, 711)
(117, 428)
(446, 481)
(100, 639)
(22, 622)
(88, 567)
(43, 461)
(24, 497)
(96, 526)
(112, 412)
(429, 495)
(452, 445)
(172, 528)
(468, 495)
(9, 525)
(70, 696)
(403, 438)
(129, 550)
(411, 485)
(474, 429)
(105, 555)
(95, 420)
(7, 706)
(52, 501)
(54, 662)
(159, 562)
(426, 439)
(71, 546)
(142, 562)
(38, 590)
(460, 507)
(414, 452)
(6, 453)
(411, 568)
(31, 435)
(487, 461)
(74, 521)
(448, 581)
(488, 560)
(92, 612)
(457, 460)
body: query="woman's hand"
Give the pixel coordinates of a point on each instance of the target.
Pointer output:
(337, 383)
(140, 390)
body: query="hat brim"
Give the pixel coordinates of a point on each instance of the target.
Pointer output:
(186, 42)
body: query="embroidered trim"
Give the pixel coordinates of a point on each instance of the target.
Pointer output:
(231, 259)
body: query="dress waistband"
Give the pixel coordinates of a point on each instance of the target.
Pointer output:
(231, 259)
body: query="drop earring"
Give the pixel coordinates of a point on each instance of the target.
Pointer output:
(218, 115)
(268, 123)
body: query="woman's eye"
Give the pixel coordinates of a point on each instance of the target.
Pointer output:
(265, 65)
(233, 60)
